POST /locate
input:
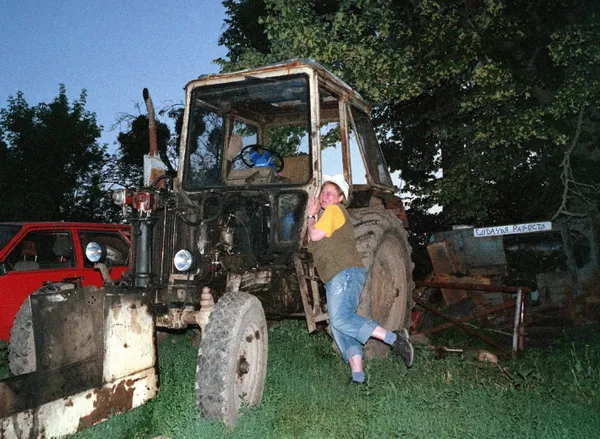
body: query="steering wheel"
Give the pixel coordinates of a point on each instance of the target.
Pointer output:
(259, 156)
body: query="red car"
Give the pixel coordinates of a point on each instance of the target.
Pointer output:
(34, 254)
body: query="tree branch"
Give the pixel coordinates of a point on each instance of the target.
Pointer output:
(570, 185)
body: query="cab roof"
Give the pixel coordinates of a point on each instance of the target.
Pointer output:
(285, 67)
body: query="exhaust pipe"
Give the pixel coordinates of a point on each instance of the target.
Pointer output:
(154, 168)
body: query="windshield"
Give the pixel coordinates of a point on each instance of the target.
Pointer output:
(7, 232)
(368, 142)
(250, 132)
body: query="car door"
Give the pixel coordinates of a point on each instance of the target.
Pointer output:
(41, 256)
(117, 253)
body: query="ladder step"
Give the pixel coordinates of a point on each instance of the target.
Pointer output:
(312, 278)
(321, 317)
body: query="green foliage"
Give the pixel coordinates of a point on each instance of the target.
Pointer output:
(287, 139)
(51, 165)
(307, 395)
(487, 91)
(522, 379)
(50, 153)
(585, 370)
(127, 169)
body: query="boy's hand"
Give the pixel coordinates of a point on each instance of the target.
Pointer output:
(313, 206)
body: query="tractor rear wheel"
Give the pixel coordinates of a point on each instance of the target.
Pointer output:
(232, 359)
(383, 245)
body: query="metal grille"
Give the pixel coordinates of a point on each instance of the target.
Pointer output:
(163, 241)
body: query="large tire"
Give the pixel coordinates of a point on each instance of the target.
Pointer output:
(232, 359)
(383, 245)
(21, 349)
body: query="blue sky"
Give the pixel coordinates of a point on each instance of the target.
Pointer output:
(111, 48)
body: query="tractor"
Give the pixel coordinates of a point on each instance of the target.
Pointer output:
(219, 247)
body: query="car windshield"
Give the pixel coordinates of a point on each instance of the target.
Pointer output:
(251, 132)
(7, 232)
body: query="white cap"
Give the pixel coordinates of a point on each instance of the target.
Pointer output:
(337, 179)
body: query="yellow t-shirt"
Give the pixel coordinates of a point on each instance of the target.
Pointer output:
(337, 250)
(331, 220)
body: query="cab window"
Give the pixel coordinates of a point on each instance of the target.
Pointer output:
(367, 141)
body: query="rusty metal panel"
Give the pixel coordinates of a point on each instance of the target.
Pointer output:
(67, 327)
(67, 415)
(485, 254)
(26, 392)
(478, 255)
(96, 356)
(250, 281)
(444, 258)
(128, 336)
(396, 206)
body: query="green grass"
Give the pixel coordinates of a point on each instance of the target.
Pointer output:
(541, 395)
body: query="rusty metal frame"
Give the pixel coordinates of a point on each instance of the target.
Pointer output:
(313, 312)
(518, 342)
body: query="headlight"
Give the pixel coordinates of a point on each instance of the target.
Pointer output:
(183, 260)
(122, 196)
(118, 196)
(95, 251)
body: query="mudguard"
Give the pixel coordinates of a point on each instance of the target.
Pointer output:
(95, 357)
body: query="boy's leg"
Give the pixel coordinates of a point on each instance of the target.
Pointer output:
(356, 366)
(399, 341)
(343, 294)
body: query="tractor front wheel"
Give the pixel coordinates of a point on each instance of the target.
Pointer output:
(232, 359)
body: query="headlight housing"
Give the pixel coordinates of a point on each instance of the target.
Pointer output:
(183, 260)
(122, 196)
(95, 252)
(118, 196)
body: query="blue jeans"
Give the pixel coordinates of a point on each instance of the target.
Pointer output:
(350, 331)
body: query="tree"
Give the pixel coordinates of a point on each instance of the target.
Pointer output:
(51, 164)
(487, 91)
(127, 163)
(577, 49)
(127, 168)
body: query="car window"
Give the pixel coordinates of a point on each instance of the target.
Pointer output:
(117, 248)
(41, 250)
(6, 233)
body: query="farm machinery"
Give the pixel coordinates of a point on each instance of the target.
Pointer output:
(219, 247)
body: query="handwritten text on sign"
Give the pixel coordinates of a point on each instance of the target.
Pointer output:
(512, 229)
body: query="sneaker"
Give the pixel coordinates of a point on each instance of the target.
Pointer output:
(403, 348)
